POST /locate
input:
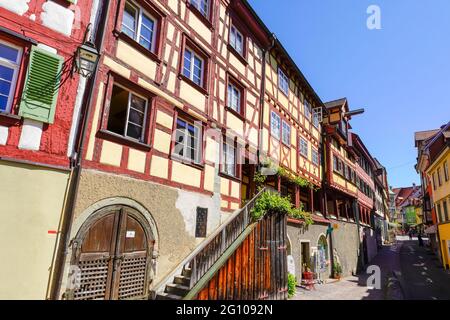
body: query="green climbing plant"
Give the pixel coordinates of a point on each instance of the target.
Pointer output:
(292, 285)
(270, 202)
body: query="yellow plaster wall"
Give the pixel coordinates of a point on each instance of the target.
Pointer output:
(164, 119)
(32, 201)
(116, 67)
(91, 142)
(185, 174)
(111, 153)
(162, 141)
(444, 234)
(159, 167)
(136, 59)
(136, 160)
(209, 178)
(443, 191)
(192, 96)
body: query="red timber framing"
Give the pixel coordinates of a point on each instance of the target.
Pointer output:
(24, 32)
(170, 93)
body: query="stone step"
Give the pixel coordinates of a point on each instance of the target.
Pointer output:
(187, 272)
(168, 296)
(177, 289)
(184, 281)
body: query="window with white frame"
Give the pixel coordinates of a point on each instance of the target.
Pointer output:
(127, 113)
(229, 158)
(286, 133)
(234, 98)
(188, 140)
(446, 177)
(275, 125)
(307, 110)
(202, 6)
(237, 40)
(303, 147)
(10, 57)
(139, 25)
(315, 156)
(283, 82)
(193, 66)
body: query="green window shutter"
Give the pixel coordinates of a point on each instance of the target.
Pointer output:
(40, 92)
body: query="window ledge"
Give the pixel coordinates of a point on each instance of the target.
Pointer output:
(8, 119)
(193, 84)
(199, 15)
(114, 137)
(237, 54)
(234, 112)
(187, 162)
(136, 45)
(229, 176)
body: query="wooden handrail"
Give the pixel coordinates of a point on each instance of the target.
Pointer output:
(211, 249)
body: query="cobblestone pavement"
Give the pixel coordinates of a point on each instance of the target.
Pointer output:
(355, 287)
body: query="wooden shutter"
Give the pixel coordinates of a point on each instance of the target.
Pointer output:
(40, 92)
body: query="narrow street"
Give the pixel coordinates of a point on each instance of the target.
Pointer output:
(408, 272)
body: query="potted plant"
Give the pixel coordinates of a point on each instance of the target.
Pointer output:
(337, 270)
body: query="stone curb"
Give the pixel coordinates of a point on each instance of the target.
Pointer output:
(394, 290)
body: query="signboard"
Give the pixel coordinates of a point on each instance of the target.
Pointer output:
(410, 214)
(201, 222)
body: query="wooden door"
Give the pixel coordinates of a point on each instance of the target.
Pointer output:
(113, 257)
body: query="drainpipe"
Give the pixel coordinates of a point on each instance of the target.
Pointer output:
(261, 98)
(75, 160)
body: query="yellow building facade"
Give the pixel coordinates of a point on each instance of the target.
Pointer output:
(440, 178)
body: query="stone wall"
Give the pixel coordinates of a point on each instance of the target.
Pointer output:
(346, 246)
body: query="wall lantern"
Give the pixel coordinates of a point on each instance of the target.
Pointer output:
(86, 59)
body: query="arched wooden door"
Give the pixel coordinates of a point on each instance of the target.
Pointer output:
(112, 255)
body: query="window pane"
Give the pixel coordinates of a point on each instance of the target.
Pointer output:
(6, 73)
(129, 21)
(5, 87)
(138, 103)
(118, 110)
(136, 117)
(3, 103)
(197, 70)
(8, 53)
(134, 131)
(187, 63)
(147, 29)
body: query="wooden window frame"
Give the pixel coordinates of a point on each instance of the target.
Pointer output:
(305, 104)
(10, 118)
(104, 133)
(179, 114)
(193, 47)
(446, 176)
(312, 156)
(238, 167)
(243, 98)
(439, 176)
(208, 19)
(282, 133)
(300, 147)
(284, 73)
(235, 22)
(272, 113)
(151, 10)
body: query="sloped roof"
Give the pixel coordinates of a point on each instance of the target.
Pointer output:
(335, 103)
(425, 135)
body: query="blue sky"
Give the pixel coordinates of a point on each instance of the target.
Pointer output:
(399, 74)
